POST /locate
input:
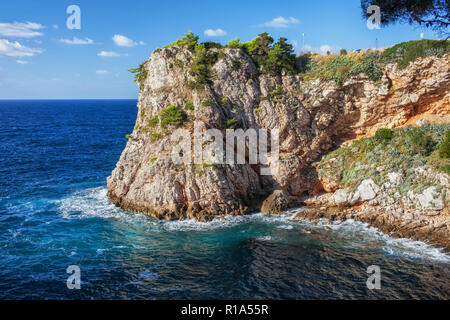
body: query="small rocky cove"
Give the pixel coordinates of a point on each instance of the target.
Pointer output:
(331, 161)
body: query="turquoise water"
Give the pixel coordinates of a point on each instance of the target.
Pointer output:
(55, 157)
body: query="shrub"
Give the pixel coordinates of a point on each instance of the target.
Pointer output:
(406, 52)
(236, 65)
(140, 74)
(232, 123)
(280, 58)
(189, 106)
(384, 134)
(189, 40)
(276, 93)
(421, 143)
(178, 63)
(223, 101)
(212, 44)
(444, 148)
(343, 52)
(206, 103)
(438, 52)
(221, 55)
(153, 122)
(235, 44)
(201, 65)
(270, 58)
(336, 69)
(370, 67)
(153, 159)
(172, 116)
(155, 135)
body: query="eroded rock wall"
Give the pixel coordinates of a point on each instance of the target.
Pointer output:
(312, 116)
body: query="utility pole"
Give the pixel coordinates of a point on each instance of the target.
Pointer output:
(376, 44)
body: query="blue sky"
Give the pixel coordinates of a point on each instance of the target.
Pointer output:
(40, 58)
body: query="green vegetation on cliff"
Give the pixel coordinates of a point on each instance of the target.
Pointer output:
(399, 150)
(406, 52)
(277, 58)
(444, 149)
(140, 74)
(171, 116)
(371, 63)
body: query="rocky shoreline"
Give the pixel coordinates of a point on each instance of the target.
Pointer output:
(313, 117)
(434, 231)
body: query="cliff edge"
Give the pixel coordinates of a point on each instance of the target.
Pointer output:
(313, 118)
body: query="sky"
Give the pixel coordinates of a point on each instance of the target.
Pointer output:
(41, 58)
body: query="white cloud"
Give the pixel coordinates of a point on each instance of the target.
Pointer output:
(325, 48)
(22, 62)
(102, 72)
(123, 41)
(55, 26)
(77, 41)
(21, 30)
(142, 43)
(15, 49)
(215, 33)
(109, 54)
(281, 22)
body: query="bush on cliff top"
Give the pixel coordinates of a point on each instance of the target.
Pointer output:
(268, 57)
(341, 67)
(189, 40)
(406, 52)
(406, 149)
(277, 58)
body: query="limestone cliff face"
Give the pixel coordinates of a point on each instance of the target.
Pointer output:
(313, 117)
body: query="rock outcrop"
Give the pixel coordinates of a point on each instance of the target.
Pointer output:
(312, 117)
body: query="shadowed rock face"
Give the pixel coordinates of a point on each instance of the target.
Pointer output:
(312, 116)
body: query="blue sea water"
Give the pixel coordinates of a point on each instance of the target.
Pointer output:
(55, 157)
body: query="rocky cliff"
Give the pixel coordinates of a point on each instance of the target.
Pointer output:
(313, 117)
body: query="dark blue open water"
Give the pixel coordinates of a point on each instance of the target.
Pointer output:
(54, 160)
